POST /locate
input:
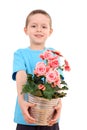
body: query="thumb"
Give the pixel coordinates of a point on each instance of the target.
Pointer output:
(31, 104)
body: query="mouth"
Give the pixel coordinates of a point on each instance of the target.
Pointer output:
(38, 35)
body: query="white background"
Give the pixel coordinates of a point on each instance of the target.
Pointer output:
(69, 36)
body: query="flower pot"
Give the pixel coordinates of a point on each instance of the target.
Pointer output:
(43, 111)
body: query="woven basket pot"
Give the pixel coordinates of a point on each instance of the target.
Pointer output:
(43, 111)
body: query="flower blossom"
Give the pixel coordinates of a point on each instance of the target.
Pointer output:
(46, 55)
(53, 63)
(41, 87)
(52, 76)
(66, 66)
(40, 69)
(48, 81)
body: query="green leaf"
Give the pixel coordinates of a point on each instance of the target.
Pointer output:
(60, 95)
(49, 92)
(37, 93)
(29, 77)
(64, 88)
(63, 82)
(38, 80)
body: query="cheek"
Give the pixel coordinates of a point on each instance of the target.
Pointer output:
(47, 33)
(29, 32)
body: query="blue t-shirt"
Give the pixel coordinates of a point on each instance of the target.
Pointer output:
(24, 59)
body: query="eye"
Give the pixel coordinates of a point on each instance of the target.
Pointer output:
(44, 26)
(33, 26)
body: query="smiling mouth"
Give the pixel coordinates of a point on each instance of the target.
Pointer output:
(39, 35)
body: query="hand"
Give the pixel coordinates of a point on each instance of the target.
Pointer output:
(21, 78)
(24, 107)
(56, 116)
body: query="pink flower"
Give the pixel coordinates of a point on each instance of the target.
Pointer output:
(66, 66)
(46, 55)
(52, 76)
(41, 86)
(57, 83)
(40, 69)
(47, 80)
(47, 68)
(53, 63)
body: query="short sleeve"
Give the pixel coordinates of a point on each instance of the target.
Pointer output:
(18, 63)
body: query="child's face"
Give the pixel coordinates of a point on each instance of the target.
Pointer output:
(38, 28)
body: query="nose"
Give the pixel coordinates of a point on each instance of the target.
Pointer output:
(39, 29)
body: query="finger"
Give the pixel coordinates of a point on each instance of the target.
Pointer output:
(57, 107)
(29, 118)
(31, 104)
(27, 115)
(29, 121)
(56, 116)
(52, 122)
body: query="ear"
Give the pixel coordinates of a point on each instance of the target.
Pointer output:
(51, 30)
(25, 30)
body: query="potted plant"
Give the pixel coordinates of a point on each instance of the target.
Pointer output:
(46, 85)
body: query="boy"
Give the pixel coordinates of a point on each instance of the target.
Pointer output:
(38, 28)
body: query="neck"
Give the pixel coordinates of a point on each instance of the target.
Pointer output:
(37, 47)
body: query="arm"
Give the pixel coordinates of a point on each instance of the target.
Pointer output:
(57, 113)
(21, 78)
